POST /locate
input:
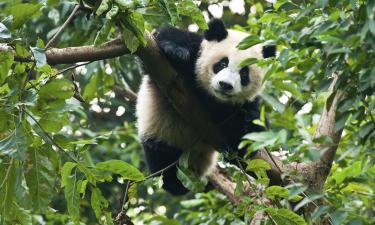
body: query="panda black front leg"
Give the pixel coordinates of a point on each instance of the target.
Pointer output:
(180, 47)
(160, 155)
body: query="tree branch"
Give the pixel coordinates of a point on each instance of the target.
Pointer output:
(68, 55)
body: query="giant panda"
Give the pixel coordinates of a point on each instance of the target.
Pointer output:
(209, 65)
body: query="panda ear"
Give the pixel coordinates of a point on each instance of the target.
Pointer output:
(269, 51)
(216, 31)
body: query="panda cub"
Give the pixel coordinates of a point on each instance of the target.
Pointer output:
(209, 65)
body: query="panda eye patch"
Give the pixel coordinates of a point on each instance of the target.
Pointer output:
(220, 65)
(244, 73)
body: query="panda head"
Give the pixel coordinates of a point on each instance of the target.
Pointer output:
(217, 66)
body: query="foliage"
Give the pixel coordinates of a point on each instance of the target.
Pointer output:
(67, 161)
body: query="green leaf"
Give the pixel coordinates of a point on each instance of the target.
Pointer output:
(91, 87)
(56, 89)
(7, 188)
(112, 13)
(184, 159)
(284, 57)
(104, 6)
(72, 192)
(307, 199)
(276, 192)
(161, 220)
(6, 59)
(16, 144)
(21, 215)
(372, 26)
(188, 8)
(338, 217)
(122, 168)
(130, 40)
(4, 32)
(248, 42)
(260, 136)
(190, 180)
(98, 202)
(53, 122)
(136, 24)
(191, 203)
(341, 120)
(273, 102)
(40, 56)
(66, 171)
(257, 164)
(22, 12)
(248, 62)
(91, 174)
(40, 178)
(169, 6)
(285, 216)
(125, 4)
(352, 170)
(282, 85)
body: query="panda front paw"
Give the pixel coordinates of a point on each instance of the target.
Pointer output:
(175, 52)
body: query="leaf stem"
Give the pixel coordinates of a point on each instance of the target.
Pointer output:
(7, 173)
(50, 138)
(76, 7)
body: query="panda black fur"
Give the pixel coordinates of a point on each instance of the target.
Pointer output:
(209, 64)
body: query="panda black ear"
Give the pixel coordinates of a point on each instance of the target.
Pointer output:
(216, 31)
(269, 51)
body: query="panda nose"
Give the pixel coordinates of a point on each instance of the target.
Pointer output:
(225, 86)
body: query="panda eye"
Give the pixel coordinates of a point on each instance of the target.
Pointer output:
(220, 65)
(244, 73)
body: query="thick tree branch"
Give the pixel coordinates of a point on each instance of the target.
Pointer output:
(68, 55)
(224, 184)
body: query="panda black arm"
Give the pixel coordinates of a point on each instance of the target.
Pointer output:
(252, 113)
(180, 47)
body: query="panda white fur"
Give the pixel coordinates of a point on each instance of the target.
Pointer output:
(209, 64)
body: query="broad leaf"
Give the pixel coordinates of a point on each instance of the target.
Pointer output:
(72, 196)
(188, 8)
(40, 178)
(40, 56)
(16, 144)
(190, 180)
(285, 217)
(66, 171)
(122, 168)
(22, 12)
(248, 42)
(56, 91)
(4, 32)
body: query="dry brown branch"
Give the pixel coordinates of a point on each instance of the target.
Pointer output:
(258, 218)
(224, 184)
(69, 55)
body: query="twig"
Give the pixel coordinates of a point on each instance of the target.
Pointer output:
(127, 93)
(125, 198)
(158, 172)
(247, 178)
(77, 95)
(7, 173)
(71, 67)
(130, 183)
(76, 7)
